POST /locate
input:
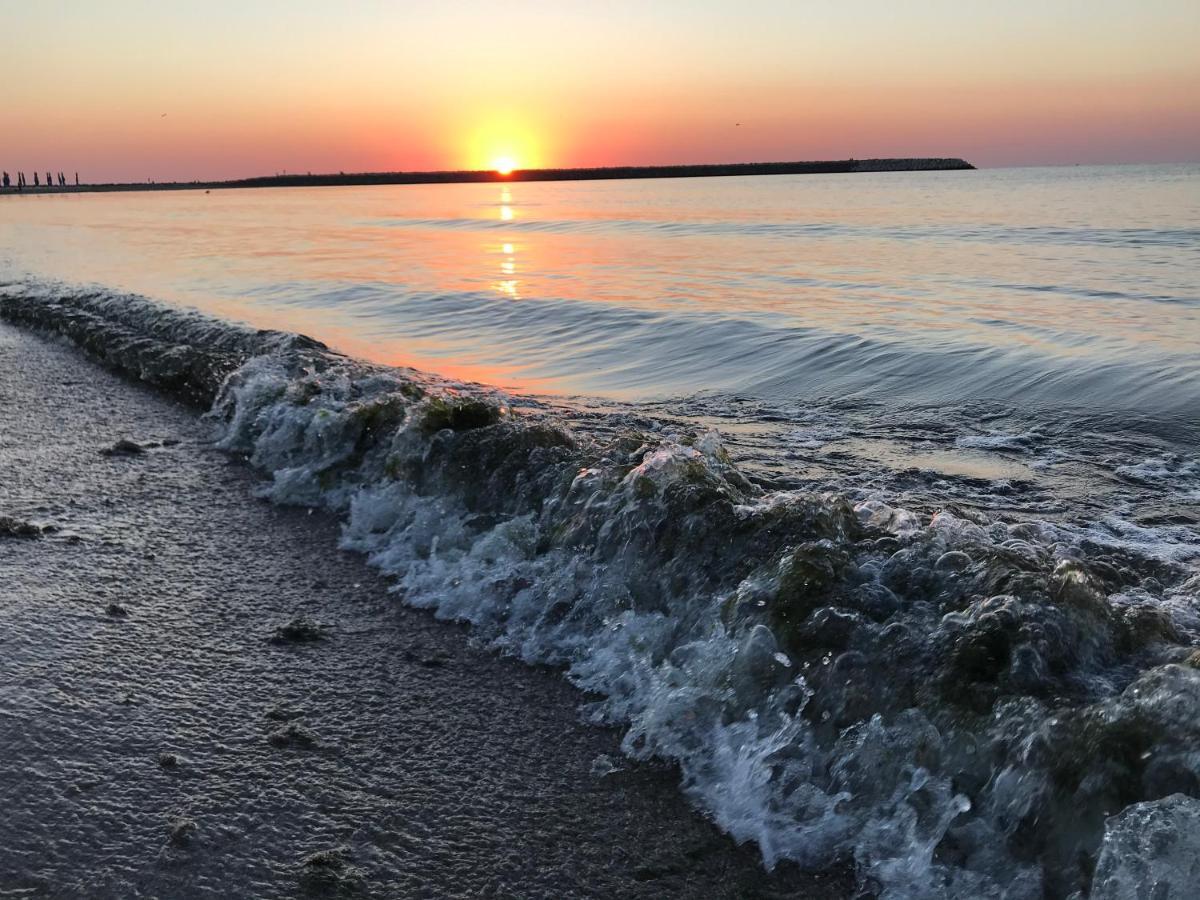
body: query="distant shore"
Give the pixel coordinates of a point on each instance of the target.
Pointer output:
(843, 166)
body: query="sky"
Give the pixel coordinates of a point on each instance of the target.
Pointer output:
(135, 90)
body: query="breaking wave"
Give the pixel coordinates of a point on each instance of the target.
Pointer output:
(959, 704)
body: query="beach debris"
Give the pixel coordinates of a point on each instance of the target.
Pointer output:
(17, 528)
(84, 785)
(168, 760)
(332, 859)
(434, 660)
(292, 735)
(329, 869)
(180, 831)
(458, 413)
(299, 630)
(123, 447)
(278, 713)
(604, 765)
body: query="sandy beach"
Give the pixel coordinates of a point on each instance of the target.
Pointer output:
(168, 729)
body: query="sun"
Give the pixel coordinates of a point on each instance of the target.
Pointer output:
(503, 143)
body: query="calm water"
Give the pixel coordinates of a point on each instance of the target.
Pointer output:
(1052, 287)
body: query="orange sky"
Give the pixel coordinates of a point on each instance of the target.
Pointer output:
(252, 88)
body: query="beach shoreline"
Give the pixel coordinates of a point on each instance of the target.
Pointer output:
(177, 727)
(629, 554)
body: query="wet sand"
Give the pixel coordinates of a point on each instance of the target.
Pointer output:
(156, 741)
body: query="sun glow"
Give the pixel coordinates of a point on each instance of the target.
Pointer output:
(503, 144)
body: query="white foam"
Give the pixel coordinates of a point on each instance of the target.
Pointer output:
(1018, 443)
(728, 705)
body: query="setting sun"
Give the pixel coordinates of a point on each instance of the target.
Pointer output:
(504, 142)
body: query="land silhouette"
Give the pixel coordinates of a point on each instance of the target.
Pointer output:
(709, 170)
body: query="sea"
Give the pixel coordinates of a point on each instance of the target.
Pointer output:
(872, 501)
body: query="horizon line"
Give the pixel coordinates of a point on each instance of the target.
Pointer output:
(574, 173)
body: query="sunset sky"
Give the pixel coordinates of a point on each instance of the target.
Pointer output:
(129, 90)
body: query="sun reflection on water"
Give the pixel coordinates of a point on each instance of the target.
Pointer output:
(507, 285)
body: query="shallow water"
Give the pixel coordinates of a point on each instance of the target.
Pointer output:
(931, 599)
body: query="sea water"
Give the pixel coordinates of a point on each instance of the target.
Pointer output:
(873, 500)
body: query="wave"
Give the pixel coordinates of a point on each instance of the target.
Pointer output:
(620, 349)
(793, 230)
(954, 702)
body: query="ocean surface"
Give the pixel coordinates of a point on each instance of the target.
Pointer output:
(1064, 287)
(872, 500)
